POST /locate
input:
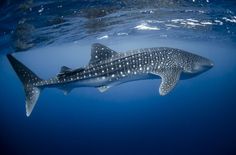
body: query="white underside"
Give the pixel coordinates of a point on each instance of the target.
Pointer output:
(106, 82)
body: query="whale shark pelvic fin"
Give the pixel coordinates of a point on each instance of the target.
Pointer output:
(103, 88)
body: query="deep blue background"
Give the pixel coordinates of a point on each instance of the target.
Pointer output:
(197, 117)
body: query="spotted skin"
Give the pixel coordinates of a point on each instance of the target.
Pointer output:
(108, 68)
(120, 66)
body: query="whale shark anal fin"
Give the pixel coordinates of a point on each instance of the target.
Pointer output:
(66, 90)
(100, 52)
(169, 78)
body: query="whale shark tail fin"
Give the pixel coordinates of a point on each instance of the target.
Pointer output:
(29, 80)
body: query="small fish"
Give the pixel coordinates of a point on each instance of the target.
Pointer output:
(108, 68)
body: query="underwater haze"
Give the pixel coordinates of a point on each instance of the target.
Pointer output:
(198, 117)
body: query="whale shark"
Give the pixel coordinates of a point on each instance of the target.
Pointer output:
(108, 68)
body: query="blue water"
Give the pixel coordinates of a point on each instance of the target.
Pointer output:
(197, 117)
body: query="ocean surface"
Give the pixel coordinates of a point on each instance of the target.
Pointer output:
(197, 118)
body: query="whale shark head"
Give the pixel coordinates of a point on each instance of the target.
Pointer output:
(195, 65)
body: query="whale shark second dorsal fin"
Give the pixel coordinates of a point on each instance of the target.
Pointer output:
(100, 52)
(68, 71)
(65, 69)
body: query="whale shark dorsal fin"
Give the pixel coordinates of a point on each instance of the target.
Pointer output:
(100, 52)
(169, 78)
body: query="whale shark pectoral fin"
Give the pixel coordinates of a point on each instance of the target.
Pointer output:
(169, 80)
(103, 88)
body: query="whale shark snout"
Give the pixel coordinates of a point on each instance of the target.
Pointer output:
(204, 65)
(197, 66)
